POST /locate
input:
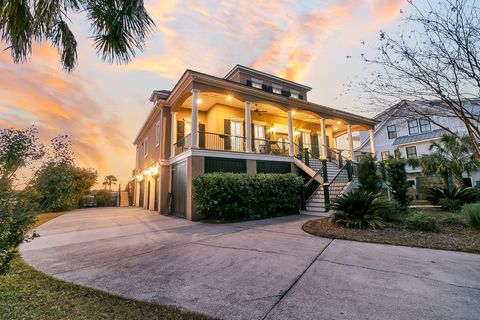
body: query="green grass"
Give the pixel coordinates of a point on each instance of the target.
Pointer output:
(26, 293)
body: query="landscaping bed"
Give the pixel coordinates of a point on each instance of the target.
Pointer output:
(449, 237)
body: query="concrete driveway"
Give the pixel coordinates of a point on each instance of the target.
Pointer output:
(266, 269)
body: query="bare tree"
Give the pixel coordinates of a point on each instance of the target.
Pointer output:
(435, 63)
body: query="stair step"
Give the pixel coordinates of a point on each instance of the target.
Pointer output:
(315, 209)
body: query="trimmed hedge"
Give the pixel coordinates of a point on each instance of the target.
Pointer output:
(241, 195)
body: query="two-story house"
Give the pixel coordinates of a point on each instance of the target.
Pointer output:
(248, 121)
(403, 132)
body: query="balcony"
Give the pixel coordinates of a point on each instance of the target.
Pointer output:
(230, 143)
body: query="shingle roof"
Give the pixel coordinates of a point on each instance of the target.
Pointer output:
(419, 137)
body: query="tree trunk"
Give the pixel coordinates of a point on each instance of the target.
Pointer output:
(458, 181)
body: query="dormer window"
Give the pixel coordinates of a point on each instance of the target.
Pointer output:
(294, 94)
(257, 83)
(276, 89)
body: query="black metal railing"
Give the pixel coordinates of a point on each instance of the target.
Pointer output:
(312, 185)
(273, 147)
(182, 145)
(337, 183)
(221, 142)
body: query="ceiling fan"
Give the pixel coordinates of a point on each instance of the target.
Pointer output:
(259, 112)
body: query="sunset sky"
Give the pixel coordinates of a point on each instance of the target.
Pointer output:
(102, 106)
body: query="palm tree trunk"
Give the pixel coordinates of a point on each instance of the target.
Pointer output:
(458, 180)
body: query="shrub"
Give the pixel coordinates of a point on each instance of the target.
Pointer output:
(472, 214)
(397, 180)
(392, 212)
(359, 209)
(254, 196)
(368, 178)
(422, 222)
(466, 195)
(453, 220)
(104, 198)
(449, 204)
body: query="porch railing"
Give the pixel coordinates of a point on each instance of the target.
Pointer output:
(273, 147)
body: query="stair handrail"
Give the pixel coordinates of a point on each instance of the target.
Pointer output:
(326, 185)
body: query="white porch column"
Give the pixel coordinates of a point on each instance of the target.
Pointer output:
(372, 143)
(248, 127)
(350, 141)
(173, 131)
(194, 134)
(291, 151)
(324, 138)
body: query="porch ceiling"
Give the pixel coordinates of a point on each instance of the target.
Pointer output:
(210, 99)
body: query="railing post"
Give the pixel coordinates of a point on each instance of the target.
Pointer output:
(340, 160)
(324, 170)
(307, 158)
(349, 170)
(326, 196)
(303, 202)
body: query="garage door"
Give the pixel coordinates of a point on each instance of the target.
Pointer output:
(179, 189)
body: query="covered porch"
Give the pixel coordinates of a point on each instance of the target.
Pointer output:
(225, 121)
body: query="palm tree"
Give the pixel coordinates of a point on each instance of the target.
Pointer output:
(109, 180)
(118, 27)
(450, 157)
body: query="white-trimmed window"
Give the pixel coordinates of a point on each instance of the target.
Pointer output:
(276, 89)
(256, 83)
(294, 94)
(385, 155)
(157, 134)
(411, 152)
(145, 147)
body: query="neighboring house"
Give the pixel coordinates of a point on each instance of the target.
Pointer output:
(249, 121)
(404, 132)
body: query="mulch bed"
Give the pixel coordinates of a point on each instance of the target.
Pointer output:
(455, 238)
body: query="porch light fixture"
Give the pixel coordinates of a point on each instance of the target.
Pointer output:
(139, 177)
(293, 113)
(153, 170)
(229, 98)
(273, 130)
(336, 128)
(297, 133)
(339, 122)
(199, 101)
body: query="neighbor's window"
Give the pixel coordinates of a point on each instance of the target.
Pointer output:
(145, 147)
(397, 153)
(157, 134)
(392, 131)
(425, 125)
(413, 127)
(411, 152)
(385, 155)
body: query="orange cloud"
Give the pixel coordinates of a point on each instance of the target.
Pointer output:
(386, 10)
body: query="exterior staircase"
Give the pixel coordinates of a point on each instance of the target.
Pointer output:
(337, 181)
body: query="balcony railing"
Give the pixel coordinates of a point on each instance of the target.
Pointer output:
(226, 142)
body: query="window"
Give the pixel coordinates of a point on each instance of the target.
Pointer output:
(257, 83)
(392, 131)
(145, 147)
(413, 127)
(411, 152)
(236, 135)
(425, 125)
(276, 89)
(294, 94)
(385, 155)
(397, 153)
(306, 140)
(259, 135)
(157, 134)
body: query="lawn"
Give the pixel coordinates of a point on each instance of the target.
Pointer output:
(456, 237)
(26, 293)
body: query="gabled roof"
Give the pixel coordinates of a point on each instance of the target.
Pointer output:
(419, 137)
(239, 67)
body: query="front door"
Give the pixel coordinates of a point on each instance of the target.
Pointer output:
(141, 193)
(236, 135)
(148, 195)
(157, 189)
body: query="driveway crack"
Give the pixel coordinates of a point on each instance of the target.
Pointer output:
(296, 280)
(400, 273)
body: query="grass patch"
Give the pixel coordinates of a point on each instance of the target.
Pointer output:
(450, 236)
(44, 217)
(26, 293)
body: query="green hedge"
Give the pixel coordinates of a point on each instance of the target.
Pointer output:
(240, 195)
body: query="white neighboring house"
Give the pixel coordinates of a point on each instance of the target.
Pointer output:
(402, 131)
